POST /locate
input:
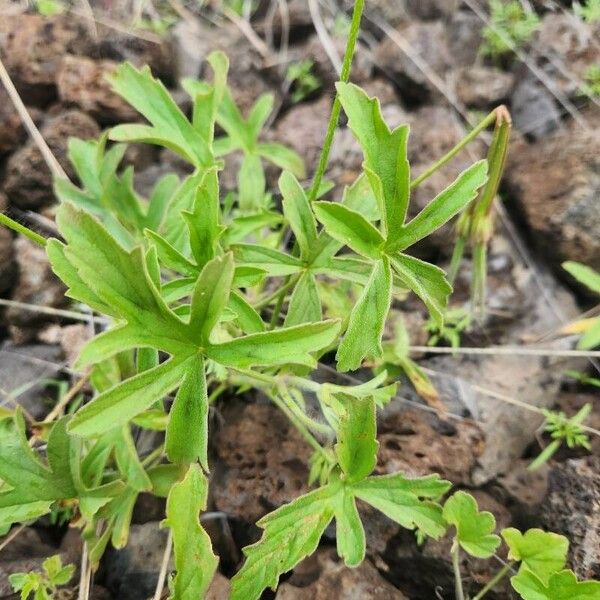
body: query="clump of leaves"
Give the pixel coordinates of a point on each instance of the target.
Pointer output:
(42, 585)
(204, 294)
(589, 10)
(456, 321)
(563, 430)
(590, 328)
(591, 86)
(511, 25)
(302, 79)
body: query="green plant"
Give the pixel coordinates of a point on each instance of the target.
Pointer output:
(591, 87)
(49, 8)
(583, 378)
(456, 321)
(563, 430)
(302, 79)
(42, 585)
(589, 327)
(510, 26)
(589, 11)
(204, 294)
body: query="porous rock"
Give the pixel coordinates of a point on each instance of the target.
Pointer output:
(82, 82)
(262, 462)
(28, 181)
(428, 41)
(324, 576)
(36, 284)
(483, 87)
(33, 47)
(533, 109)
(555, 186)
(572, 508)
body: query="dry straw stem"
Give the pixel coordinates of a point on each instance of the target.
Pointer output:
(33, 131)
(60, 405)
(164, 567)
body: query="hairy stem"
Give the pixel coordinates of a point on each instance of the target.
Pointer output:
(16, 226)
(491, 584)
(491, 118)
(337, 105)
(458, 586)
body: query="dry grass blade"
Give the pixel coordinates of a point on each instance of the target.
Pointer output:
(164, 567)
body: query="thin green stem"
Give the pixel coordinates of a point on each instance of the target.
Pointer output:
(302, 429)
(277, 309)
(337, 105)
(491, 584)
(458, 586)
(15, 226)
(491, 118)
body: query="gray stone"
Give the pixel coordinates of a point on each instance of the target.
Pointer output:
(23, 370)
(483, 87)
(533, 109)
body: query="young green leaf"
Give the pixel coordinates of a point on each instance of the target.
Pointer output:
(408, 502)
(169, 126)
(584, 274)
(305, 304)
(281, 346)
(187, 430)
(298, 214)
(351, 228)
(443, 207)
(291, 533)
(474, 529)
(349, 531)
(195, 562)
(541, 552)
(385, 154)
(367, 320)
(561, 586)
(356, 448)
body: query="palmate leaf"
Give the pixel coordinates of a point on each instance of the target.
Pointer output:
(120, 284)
(385, 154)
(195, 562)
(293, 531)
(168, 127)
(367, 319)
(561, 586)
(474, 529)
(541, 552)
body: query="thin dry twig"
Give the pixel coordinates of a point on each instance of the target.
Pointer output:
(324, 37)
(245, 27)
(164, 567)
(62, 403)
(49, 158)
(11, 536)
(509, 351)
(85, 576)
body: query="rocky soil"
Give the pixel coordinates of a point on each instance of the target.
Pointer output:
(551, 214)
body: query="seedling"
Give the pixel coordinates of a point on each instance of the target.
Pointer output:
(511, 26)
(186, 280)
(456, 321)
(591, 87)
(563, 430)
(589, 10)
(302, 79)
(42, 585)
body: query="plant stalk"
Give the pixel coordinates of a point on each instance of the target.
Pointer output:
(458, 586)
(491, 118)
(16, 226)
(491, 584)
(337, 105)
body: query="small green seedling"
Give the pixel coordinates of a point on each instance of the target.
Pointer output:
(563, 430)
(42, 585)
(583, 378)
(591, 87)
(456, 321)
(589, 11)
(511, 26)
(302, 79)
(589, 327)
(49, 8)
